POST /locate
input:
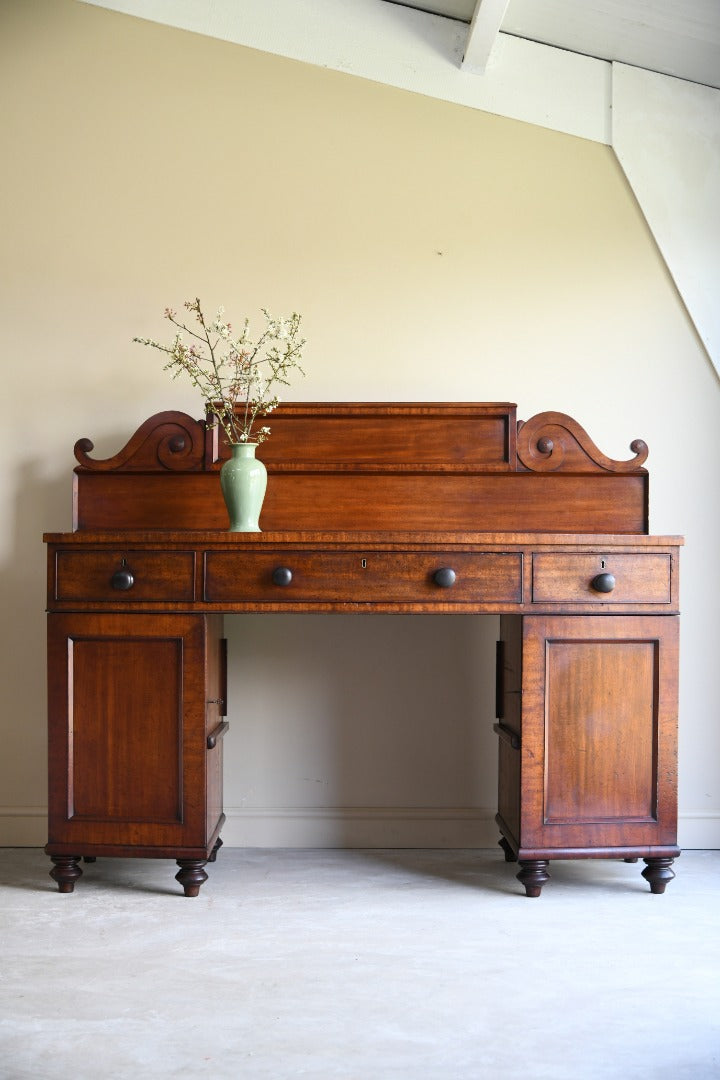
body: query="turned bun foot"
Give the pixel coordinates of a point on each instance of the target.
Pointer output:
(533, 875)
(213, 854)
(191, 875)
(508, 852)
(657, 873)
(65, 871)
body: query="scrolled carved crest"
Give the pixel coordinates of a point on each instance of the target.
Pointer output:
(168, 441)
(552, 441)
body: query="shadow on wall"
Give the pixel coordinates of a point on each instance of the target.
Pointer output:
(41, 502)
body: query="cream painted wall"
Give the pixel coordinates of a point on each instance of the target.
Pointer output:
(436, 252)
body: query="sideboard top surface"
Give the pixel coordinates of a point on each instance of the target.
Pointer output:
(378, 538)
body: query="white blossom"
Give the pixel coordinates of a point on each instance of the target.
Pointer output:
(234, 376)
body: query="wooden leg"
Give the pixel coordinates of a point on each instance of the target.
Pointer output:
(65, 871)
(508, 852)
(213, 854)
(191, 875)
(658, 873)
(533, 875)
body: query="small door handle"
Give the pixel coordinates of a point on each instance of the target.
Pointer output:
(282, 575)
(444, 577)
(212, 739)
(122, 579)
(603, 582)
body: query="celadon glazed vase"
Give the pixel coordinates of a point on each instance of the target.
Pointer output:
(243, 480)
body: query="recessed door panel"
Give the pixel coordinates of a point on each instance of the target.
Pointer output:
(126, 729)
(601, 731)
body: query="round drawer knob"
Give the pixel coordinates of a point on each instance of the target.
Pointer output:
(444, 577)
(282, 575)
(122, 579)
(603, 583)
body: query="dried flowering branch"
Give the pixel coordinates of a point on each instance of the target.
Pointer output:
(236, 376)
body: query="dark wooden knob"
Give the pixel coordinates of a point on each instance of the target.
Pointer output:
(444, 577)
(122, 579)
(282, 575)
(603, 583)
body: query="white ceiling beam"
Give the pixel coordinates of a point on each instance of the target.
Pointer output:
(483, 33)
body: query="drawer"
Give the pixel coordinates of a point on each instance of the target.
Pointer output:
(154, 575)
(569, 578)
(362, 577)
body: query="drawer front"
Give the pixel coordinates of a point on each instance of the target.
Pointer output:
(579, 578)
(362, 577)
(125, 575)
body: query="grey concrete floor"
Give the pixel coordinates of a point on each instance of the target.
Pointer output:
(359, 965)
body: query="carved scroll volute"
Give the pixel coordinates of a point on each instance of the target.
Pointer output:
(167, 442)
(552, 441)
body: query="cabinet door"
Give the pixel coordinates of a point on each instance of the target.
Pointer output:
(128, 725)
(599, 732)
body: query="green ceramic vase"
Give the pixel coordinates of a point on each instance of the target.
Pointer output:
(243, 480)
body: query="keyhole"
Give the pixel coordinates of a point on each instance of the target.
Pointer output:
(602, 564)
(363, 563)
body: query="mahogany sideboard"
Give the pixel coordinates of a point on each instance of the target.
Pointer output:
(445, 508)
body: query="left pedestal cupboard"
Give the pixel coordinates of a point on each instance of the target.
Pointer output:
(587, 661)
(136, 707)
